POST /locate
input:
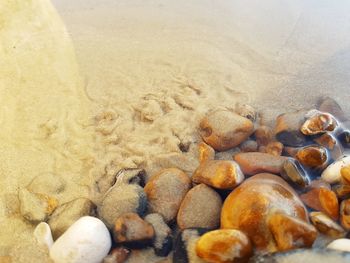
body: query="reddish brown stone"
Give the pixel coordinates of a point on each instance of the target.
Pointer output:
(263, 135)
(256, 162)
(345, 214)
(206, 152)
(318, 122)
(274, 148)
(312, 156)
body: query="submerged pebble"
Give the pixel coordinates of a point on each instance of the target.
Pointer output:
(345, 214)
(274, 148)
(344, 138)
(294, 173)
(342, 191)
(332, 173)
(312, 156)
(263, 135)
(318, 122)
(326, 225)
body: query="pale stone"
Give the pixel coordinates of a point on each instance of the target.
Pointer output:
(342, 244)
(332, 173)
(43, 235)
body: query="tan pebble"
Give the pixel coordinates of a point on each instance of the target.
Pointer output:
(318, 122)
(206, 152)
(312, 156)
(263, 135)
(223, 130)
(274, 148)
(221, 174)
(326, 225)
(223, 246)
(249, 146)
(345, 214)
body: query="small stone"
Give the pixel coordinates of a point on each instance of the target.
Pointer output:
(165, 192)
(124, 196)
(263, 135)
(326, 225)
(330, 106)
(224, 245)
(86, 241)
(163, 240)
(254, 163)
(200, 208)
(293, 172)
(246, 111)
(206, 152)
(344, 138)
(221, 174)
(117, 255)
(318, 122)
(36, 207)
(66, 214)
(291, 151)
(345, 214)
(274, 148)
(342, 191)
(42, 233)
(249, 146)
(132, 229)
(262, 149)
(342, 244)
(291, 233)
(287, 128)
(326, 140)
(249, 207)
(345, 174)
(223, 130)
(332, 173)
(312, 156)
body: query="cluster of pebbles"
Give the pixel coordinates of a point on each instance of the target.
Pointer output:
(285, 188)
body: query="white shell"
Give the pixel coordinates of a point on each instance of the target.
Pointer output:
(86, 241)
(43, 235)
(332, 173)
(342, 244)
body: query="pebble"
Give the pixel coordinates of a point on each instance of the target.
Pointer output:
(262, 195)
(345, 174)
(246, 111)
(49, 184)
(165, 191)
(342, 244)
(312, 156)
(291, 151)
(223, 130)
(256, 162)
(274, 148)
(163, 241)
(200, 208)
(326, 140)
(318, 122)
(124, 196)
(322, 199)
(86, 241)
(36, 207)
(342, 191)
(293, 172)
(326, 225)
(42, 233)
(224, 245)
(263, 135)
(66, 214)
(206, 152)
(332, 173)
(117, 255)
(221, 174)
(330, 106)
(344, 138)
(130, 228)
(287, 129)
(345, 214)
(290, 232)
(249, 146)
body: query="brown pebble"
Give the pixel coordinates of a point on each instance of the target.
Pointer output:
(345, 214)
(223, 130)
(206, 152)
(249, 146)
(294, 173)
(200, 208)
(131, 228)
(221, 174)
(165, 191)
(330, 106)
(262, 149)
(117, 255)
(326, 225)
(342, 191)
(326, 140)
(223, 246)
(290, 151)
(263, 135)
(345, 174)
(312, 156)
(256, 162)
(318, 122)
(274, 148)
(291, 233)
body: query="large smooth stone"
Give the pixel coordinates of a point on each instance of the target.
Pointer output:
(86, 241)
(332, 173)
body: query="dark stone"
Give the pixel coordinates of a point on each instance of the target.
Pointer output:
(344, 138)
(294, 173)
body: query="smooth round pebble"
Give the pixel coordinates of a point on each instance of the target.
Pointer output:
(342, 244)
(332, 173)
(86, 241)
(42, 233)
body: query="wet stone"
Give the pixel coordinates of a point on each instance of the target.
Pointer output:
(274, 148)
(223, 130)
(326, 140)
(263, 135)
(294, 173)
(332, 173)
(246, 111)
(133, 230)
(290, 151)
(117, 255)
(330, 106)
(224, 245)
(326, 225)
(287, 129)
(318, 122)
(221, 174)
(165, 192)
(206, 152)
(256, 162)
(249, 146)
(200, 208)
(312, 156)
(342, 191)
(344, 138)
(345, 174)
(345, 214)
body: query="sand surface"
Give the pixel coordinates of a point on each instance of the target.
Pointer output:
(148, 71)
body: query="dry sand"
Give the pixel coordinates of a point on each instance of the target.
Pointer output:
(150, 70)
